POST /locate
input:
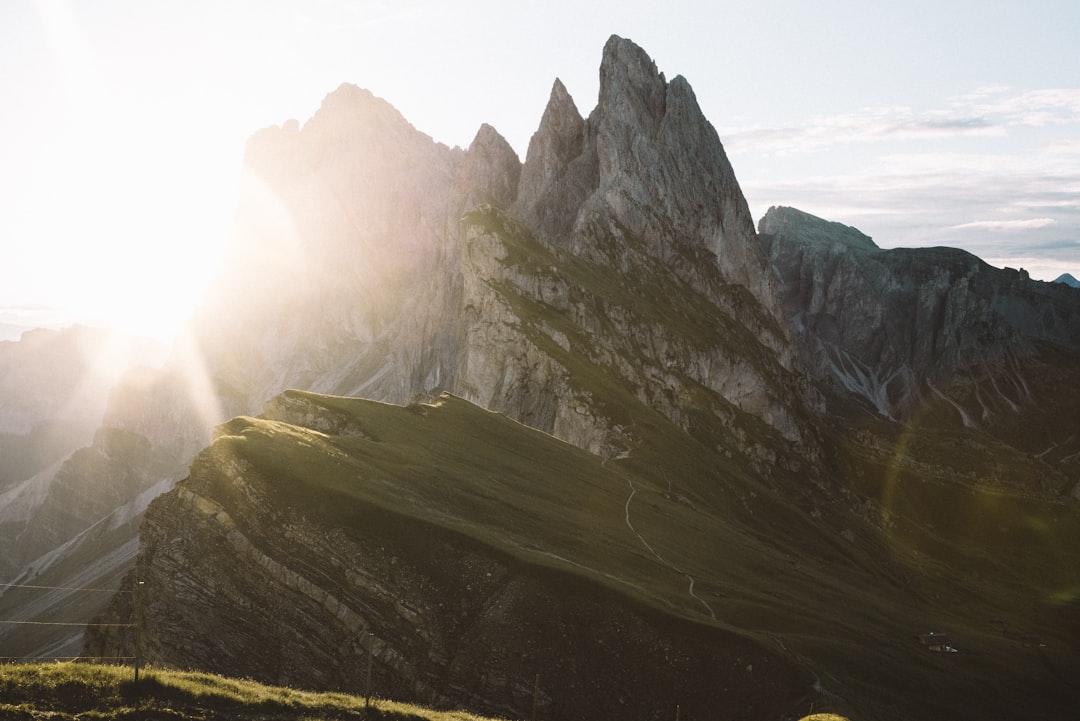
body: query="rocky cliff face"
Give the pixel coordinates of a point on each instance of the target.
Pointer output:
(474, 562)
(243, 576)
(64, 472)
(353, 271)
(54, 387)
(642, 191)
(699, 493)
(896, 326)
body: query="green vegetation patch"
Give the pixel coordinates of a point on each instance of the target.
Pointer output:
(64, 691)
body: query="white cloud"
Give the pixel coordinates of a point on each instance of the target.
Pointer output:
(1036, 108)
(1006, 225)
(984, 113)
(870, 125)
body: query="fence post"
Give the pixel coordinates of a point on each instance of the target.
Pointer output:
(138, 645)
(536, 695)
(367, 686)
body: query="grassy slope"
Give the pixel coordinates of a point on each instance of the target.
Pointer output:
(840, 576)
(761, 566)
(68, 691)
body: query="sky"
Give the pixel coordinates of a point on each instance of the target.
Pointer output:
(123, 122)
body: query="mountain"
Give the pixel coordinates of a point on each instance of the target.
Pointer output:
(571, 436)
(1067, 279)
(65, 481)
(893, 326)
(54, 389)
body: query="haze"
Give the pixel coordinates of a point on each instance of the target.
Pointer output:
(920, 123)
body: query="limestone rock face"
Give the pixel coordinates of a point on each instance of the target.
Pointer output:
(353, 273)
(559, 173)
(54, 389)
(642, 185)
(891, 325)
(645, 165)
(341, 276)
(611, 292)
(663, 173)
(489, 173)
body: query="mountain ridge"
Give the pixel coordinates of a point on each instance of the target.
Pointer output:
(889, 324)
(750, 426)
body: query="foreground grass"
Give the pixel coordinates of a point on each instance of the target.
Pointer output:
(63, 691)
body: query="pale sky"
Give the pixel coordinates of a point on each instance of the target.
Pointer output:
(941, 122)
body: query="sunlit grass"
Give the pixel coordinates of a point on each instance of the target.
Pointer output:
(66, 691)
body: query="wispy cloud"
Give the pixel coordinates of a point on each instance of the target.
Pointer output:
(867, 126)
(1008, 190)
(1006, 225)
(1036, 108)
(1009, 216)
(988, 113)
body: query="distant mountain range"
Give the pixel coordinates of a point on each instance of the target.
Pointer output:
(1067, 279)
(573, 438)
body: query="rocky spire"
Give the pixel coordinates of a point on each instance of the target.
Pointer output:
(490, 172)
(558, 172)
(663, 171)
(646, 166)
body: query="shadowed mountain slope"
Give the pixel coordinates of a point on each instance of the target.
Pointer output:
(614, 438)
(469, 554)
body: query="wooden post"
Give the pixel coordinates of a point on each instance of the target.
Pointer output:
(367, 686)
(536, 695)
(138, 639)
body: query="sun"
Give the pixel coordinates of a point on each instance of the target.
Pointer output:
(124, 222)
(126, 206)
(114, 239)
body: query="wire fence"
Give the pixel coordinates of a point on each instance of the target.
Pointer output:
(67, 623)
(80, 624)
(65, 588)
(37, 659)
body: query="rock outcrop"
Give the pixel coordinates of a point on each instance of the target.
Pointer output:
(54, 388)
(245, 575)
(473, 562)
(354, 273)
(606, 421)
(891, 326)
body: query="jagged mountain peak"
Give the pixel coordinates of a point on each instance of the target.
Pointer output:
(350, 97)
(617, 299)
(794, 224)
(352, 116)
(558, 172)
(491, 171)
(488, 137)
(631, 87)
(646, 170)
(1068, 279)
(560, 96)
